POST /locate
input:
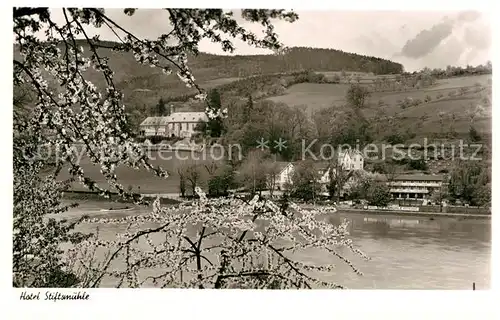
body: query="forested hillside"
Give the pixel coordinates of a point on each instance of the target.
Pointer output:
(145, 84)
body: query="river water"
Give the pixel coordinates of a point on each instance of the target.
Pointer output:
(405, 252)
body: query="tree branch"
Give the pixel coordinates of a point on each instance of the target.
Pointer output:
(26, 11)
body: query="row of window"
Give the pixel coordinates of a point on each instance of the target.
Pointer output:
(179, 126)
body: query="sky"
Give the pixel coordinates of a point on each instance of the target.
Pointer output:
(417, 39)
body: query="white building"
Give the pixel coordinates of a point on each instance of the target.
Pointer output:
(178, 124)
(284, 176)
(351, 160)
(415, 186)
(154, 126)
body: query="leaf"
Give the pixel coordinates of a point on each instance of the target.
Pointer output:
(129, 11)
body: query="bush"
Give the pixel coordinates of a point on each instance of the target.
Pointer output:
(417, 102)
(410, 134)
(439, 95)
(427, 98)
(474, 135)
(379, 167)
(310, 77)
(407, 102)
(336, 79)
(417, 165)
(155, 139)
(378, 194)
(395, 138)
(463, 90)
(452, 94)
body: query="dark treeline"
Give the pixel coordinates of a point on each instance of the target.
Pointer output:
(297, 58)
(452, 71)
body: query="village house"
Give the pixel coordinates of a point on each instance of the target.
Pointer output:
(348, 160)
(415, 186)
(351, 160)
(284, 176)
(178, 124)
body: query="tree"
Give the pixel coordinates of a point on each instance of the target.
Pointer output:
(439, 195)
(357, 96)
(336, 78)
(441, 115)
(470, 183)
(37, 235)
(305, 183)
(358, 186)
(248, 108)
(378, 194)
(161, 108)
(215, 124)
(272, 171)
(343, 74)
(452, 132)
(221, 181)
(81, 111)
(463, 90)
(192, 174)
(338, 176)
(227, 251)
(182, 182)
(253, 173)
(474, 136)
(380, 167)
(214, 99)
(417, 164)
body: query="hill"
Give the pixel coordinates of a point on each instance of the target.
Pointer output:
(449, 98)
(142, 84)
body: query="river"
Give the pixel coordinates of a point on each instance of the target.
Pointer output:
(406, 252)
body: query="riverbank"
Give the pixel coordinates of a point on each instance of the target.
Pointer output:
(114, 197)
(172, 199)
(418, 213)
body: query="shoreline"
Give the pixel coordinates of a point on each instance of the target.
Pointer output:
(416, 213)
(90, 196)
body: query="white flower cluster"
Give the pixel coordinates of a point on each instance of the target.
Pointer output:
(213, 113)
(223, 243)
(81, 112)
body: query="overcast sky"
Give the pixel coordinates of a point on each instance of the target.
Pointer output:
(415, 39)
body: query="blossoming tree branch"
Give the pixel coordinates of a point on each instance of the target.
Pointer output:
(216, 243)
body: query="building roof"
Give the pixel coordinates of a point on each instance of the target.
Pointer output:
(419, 177)
(350, 152)
(154, 121)
(187, 117)
(175, 117)
(282, 165)
(317, 165)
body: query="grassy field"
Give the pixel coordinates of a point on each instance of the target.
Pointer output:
(454, 83)
(315, 96)
(219, 82)
(142, 180)
(318, 96)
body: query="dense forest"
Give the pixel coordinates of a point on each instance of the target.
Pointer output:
(294, 59)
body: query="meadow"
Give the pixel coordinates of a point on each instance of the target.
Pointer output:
(315, 96)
